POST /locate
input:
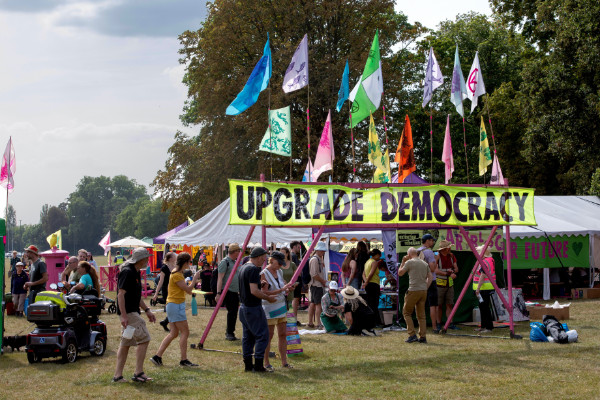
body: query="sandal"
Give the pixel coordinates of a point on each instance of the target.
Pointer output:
(310, 325)
(141, 378)
(118, 379)
(269, 368)
(286, 365)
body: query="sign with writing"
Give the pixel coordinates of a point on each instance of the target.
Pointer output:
(412, 238)
(286, 204)
(571, 251)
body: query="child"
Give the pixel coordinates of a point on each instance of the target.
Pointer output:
(19, 293)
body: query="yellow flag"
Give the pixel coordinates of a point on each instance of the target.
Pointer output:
(375, 156)
(383, 175)
(485, 157)
(55, 239)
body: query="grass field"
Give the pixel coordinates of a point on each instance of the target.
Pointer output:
(340, 367)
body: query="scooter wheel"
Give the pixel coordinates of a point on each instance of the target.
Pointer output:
(99, 347)
(70, 353)
(112, 309)
(33, 358)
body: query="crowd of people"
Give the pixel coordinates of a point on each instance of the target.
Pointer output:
(260, 297)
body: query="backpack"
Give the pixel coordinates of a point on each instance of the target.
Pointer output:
(306, 278)
(213, 281)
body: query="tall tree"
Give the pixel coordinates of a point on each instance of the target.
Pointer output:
(559, 96)
(220, 56)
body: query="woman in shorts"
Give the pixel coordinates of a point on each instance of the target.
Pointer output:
(176, 310)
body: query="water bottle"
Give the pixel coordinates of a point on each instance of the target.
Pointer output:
(26, 306)
(194, 305)
(479, 297)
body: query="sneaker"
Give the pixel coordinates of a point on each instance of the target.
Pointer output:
(485, 331)
(156, 360)
(320, 327)
(422, 340)
(412, 339)
(231, 337)
(269, 368)
(187, 363)
(454, 327)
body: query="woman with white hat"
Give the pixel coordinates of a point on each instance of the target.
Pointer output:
(482, 284)
(358, 314)
(332, 303)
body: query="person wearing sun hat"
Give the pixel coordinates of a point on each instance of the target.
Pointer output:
(358, 314)
(38, 273)
(332, 303)
(447, 271)
(482, 284)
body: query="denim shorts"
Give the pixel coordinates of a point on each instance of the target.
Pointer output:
(176, 312)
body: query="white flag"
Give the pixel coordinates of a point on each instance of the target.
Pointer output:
(354, 91)
(497, 177)
(325, 153)
(433, 77)
(475, 85)
(296, 76)
(308, 171)
(104, 243)
(447, 158)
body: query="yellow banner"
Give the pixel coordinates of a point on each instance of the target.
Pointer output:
(285, 204)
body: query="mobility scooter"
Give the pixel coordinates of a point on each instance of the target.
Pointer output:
(66, 326)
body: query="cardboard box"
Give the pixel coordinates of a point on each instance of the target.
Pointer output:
(537, 312)
(585, 293)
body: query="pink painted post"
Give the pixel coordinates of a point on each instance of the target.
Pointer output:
(224, 289)
(509, 279)
(483, 266)
(468, 282)
(263, 228)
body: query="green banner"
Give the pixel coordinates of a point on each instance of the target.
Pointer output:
(412, 238)
(572, 251)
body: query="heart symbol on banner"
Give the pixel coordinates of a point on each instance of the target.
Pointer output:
(577, 247)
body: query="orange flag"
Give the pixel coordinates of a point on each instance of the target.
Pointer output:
(405, 156)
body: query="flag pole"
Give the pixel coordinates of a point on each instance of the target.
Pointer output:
(352, 139)
(487, 107)
(270, 133)
(387, 145)
(465, 143)
(308, 131)
(431, 140)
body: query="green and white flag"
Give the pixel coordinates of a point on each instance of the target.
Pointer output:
(278, 138)
(368, 96)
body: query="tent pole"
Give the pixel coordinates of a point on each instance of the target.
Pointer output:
(468, 282)
(483, 266)
(226, 287)
(509, 279)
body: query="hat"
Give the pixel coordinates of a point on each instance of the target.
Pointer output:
(233, 247)
(19, 263)
(257, 252)
(445, 244)
(321, 246)
(138, 254)
(279, 257)
(32, 249)
(333, 285)
(488, 252)
(349, 293)
(427, 236)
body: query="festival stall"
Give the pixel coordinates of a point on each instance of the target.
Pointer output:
(159, 243)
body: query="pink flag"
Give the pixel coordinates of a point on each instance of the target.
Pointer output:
(325, 155)
(497, 177)
(447, 153)
(9, 167)
(104, 243)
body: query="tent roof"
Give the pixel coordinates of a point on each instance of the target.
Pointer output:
(562, 215)
(214, 228)
(161, 239)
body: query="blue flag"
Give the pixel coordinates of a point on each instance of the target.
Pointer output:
(344, 88)
(258, 81)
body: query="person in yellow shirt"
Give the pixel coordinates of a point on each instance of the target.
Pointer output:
(371, 283)
(176, 310)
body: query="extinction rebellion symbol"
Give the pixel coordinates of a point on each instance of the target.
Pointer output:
(472, 81)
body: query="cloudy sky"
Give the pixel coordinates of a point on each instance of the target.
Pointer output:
(94, 88)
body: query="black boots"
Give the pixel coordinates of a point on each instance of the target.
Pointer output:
(248, 366)
(259, 365)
